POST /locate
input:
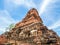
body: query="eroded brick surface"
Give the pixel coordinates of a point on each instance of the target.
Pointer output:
(31, 31)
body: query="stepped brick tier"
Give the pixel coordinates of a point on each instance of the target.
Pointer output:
(31, 31)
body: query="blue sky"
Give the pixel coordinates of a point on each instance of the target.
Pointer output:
(13, 11)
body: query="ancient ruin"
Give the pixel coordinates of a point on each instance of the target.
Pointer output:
(32, 31)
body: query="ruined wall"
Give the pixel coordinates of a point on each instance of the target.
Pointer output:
(32, 30)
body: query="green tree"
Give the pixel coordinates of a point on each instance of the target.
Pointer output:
(10, 27)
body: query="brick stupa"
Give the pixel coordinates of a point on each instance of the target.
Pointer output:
(31, 31)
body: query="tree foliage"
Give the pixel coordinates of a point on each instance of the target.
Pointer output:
(10, 27)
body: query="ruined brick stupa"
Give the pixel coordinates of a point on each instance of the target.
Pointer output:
(31, 30)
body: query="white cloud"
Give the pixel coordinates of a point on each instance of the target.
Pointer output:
(18, 2)
(30, 4)
(2, 30)
(26, 3)
(43, 6)
(5, 16)
(5, 20)
(55, 25)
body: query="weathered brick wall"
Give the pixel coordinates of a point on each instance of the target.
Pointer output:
(32, 30)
